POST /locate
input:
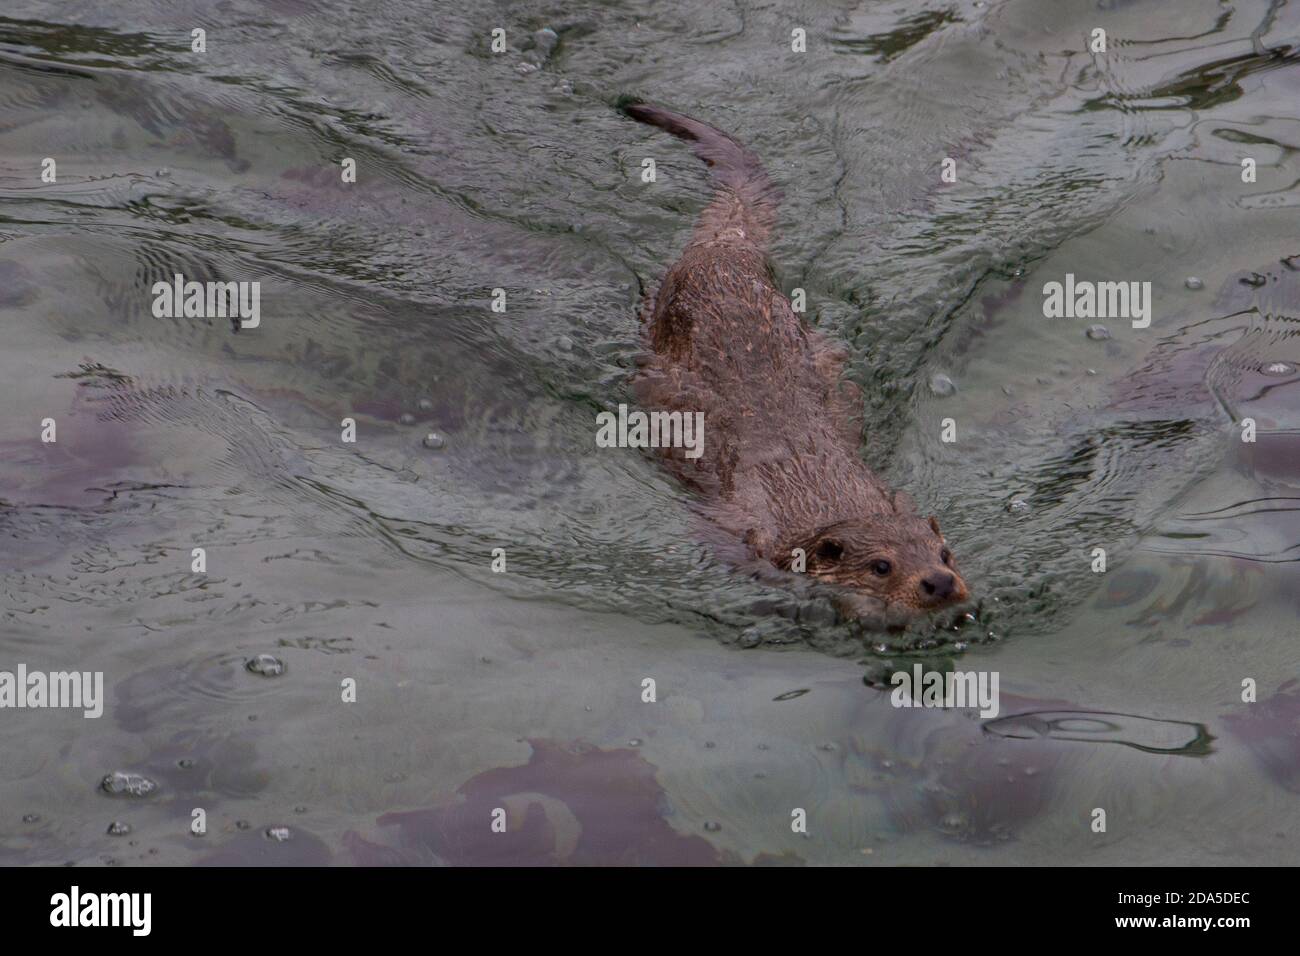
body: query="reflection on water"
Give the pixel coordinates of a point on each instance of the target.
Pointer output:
(573, 804)
(1141, 733)
(371, 562)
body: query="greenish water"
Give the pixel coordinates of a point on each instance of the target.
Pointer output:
(523, 690)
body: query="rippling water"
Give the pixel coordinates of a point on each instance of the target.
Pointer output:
(523, 690)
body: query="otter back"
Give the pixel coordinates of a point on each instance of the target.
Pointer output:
(779, 467)
(728, 343)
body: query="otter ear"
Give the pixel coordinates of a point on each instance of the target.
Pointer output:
(828, 549)
(903, 502)
(826, 543)
(934, 523)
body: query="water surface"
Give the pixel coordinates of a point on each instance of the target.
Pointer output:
(523, 690)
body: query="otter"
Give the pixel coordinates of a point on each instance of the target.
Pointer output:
(780, 469)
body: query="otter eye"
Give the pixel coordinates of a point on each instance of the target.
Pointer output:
(881, 567)
(830, 550)
(945, 555)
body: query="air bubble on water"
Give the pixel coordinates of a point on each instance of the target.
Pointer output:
(1098, 333)
(1194, 283)
(265, 664)
(434, 440)
(1018, 506)
(425, 404)
(122, 783)
(750, 637)
(278, 834)
(1279, 369)
(406, 418)
(118, 828)
(942, 385)
(565, 343)
(634, 742)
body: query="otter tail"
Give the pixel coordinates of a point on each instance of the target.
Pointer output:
(747, 199)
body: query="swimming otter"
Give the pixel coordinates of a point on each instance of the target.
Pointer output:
(780, 467)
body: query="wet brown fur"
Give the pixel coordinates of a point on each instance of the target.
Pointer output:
(780, 467)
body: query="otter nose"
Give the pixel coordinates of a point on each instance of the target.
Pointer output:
(939, 586)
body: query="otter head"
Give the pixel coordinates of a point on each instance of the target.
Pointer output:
(897, 561)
